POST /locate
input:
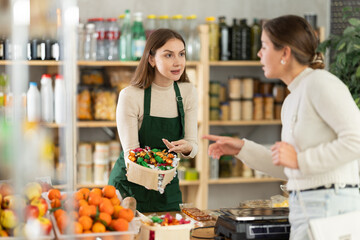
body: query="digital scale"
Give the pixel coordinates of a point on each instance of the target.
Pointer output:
(253, 223)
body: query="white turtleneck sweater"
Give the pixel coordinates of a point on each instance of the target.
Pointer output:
(130, 113)
(321, 120)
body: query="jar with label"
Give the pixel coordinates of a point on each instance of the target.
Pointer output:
(85, 153)
(101, 171)
(266, 88)
(269, 107)
(258, 107)
(214, 101)
(214, 114)
(85, 173)
(114, 152)
(235, 110)
(214, 88)
(247, 109)
(101, 151)
(225, 111)
(222, 94)
(248, 88)
(279, 93)
(278, 107)
(234, 88)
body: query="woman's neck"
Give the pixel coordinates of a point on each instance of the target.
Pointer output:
(162, 81)
(293, 72)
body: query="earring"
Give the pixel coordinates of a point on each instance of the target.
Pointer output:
(282, 62)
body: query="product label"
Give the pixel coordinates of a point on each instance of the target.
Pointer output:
(138, 47)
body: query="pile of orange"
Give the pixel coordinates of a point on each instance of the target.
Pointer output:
(90, 211)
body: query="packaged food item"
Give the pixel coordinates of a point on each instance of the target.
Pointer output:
(279, 201)
(235, 88)
(92, 76)
(258, 203)
(105, 105)
(194, 212)
(84, 104)
(120, 78)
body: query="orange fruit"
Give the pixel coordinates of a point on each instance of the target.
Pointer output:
(55, 203)
(109, 191)
(119, 224)
(85, 192)
(58, 213)
(98, 227)
(78, 228)
(96, 191)
(115, 201)
(83, 202)
(93, 209)
(116, 211)
(87, 231)
(126, 214)
(62, 222)
(54, 194)
(86, 222)
(85, 211)
(78, 196)
(107, 207)
(94, 199)
(105, 217)
(74, 215)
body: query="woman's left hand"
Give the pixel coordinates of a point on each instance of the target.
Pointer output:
(180, 146)
(284, 154)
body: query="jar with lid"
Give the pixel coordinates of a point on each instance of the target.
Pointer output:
(222, 93)
(235, 110)
(214, 114)
(234, 88)
(266, 88)
(279, 93)
(248, 87)
(214, 101)
(269, 107)
(225, 111)
(214, 88)
(247, 109)
(213, 39)
(258, 113)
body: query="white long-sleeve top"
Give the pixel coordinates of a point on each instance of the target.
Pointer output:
(321, 120)
(130, 113)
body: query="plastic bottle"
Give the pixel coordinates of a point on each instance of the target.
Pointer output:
(100, 42)
(112, 39)
(2, 48)
(125, 38)
(81, 40)
(224, 39)
(90, 42)
(192, 39)
(60, 99)
(213, 39)
(33, 103)
(164, 21)
(255, 39)
(138, 37)
(235, 41)
(177, 24)
(47, 99)
(150, 25)
(245, 40)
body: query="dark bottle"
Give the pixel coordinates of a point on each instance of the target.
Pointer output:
(34, 49)
(7, 49)
(235, 41)
(2, 49)
(224, 39)
(245, 44)
(47, 49)
(255, 39)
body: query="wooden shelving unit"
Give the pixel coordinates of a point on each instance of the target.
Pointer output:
(243, 180)
(235, 64)
(245, 123)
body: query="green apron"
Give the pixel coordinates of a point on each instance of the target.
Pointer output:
(151, 133)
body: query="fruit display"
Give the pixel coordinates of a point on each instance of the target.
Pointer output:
(89, 211)
(25, 214)
(153, 158)
(167, 220)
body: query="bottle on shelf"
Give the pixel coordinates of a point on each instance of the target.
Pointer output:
(177, 24)
(81, 40)
(150, 25)
(138, 37)
(100, 42)
(255, 39)
(164, 21)
(60, 100)
(213, 39)
(33, 103)
(224, 39)
(235, 41)
(120, 21)
(2, 48)
(245, 40)
(125, 38)
(47, 99)
(112, 37)
(192, 39)
(90, 42)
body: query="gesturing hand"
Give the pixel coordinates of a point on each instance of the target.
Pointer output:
(180, 146)
(284, 154)
(223, 145)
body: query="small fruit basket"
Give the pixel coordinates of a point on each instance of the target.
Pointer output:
(91, 214)
(25, 215)
(166, 227)
(151, 168)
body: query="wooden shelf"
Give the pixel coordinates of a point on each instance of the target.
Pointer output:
(84, 124)
(182, 183)
(245, 123)
(109, 63)
(32, 63)
(235, 63)
(243, 180)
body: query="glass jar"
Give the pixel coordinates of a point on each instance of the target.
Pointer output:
(269, 107)
(235, 110)
(258, 111)
(234, 88)
(247, 109)
(225, 111)
(248, 87)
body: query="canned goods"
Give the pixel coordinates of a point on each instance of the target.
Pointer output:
(84, 154)
(225, 111)
(214, 88)
(101, 151)
(214, 114)
(101, 171)
(235, 110)
(247, 109)
(214, 101)
(258, 111)
(222, 94)
(269, 107)
(248, 88)
(234, 88)
(85, 173)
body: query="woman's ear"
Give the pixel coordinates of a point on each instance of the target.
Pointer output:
(286, 53)
(151, 61)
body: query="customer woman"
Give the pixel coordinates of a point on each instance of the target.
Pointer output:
(159, 110)
(320, 137)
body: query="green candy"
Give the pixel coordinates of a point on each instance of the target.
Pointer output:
(147, 156)
(140, 160)
(159, 159)
(162, 168)
(155, 150)
(143, 163)
(156, 219)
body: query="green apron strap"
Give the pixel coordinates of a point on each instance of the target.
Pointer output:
(180, 107)
(147, 100)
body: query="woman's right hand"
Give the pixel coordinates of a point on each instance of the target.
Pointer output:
(223, 145)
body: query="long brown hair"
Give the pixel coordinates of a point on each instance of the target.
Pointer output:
(297, 33)
(144, 73)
